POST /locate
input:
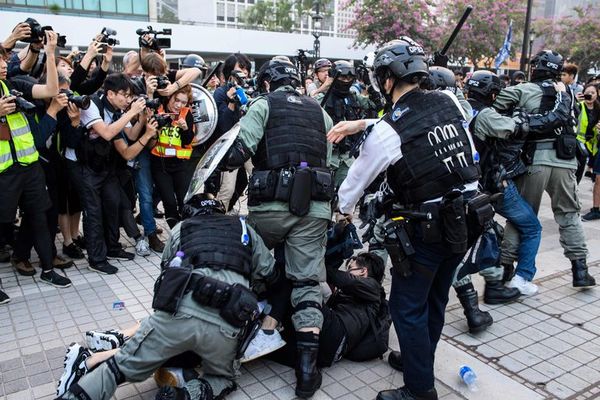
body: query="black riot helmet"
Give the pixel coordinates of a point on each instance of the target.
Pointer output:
(546, 64)
(439, 78)
(321, 63)
(278, 72)
(194, 61)
(202, 204)
(483, 84)
(345, 70)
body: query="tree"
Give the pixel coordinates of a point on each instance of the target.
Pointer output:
(282, 15)
(574, 37)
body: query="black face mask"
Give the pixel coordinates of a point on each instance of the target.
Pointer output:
(342, 88)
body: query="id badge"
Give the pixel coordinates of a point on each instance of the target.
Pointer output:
(170, 152)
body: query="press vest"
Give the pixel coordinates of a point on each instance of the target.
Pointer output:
(169, 140)
(295, 132)
(214, 241)
(20, 148)
(435, 145)
(590, 143)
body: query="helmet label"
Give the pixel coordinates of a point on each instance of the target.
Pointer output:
(415, 50)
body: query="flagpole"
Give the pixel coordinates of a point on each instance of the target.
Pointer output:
(522, 65)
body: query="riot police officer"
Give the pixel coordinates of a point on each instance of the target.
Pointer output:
(552, 161)
(427, 153)
(288, 196)
(342, 104)
(200, 306)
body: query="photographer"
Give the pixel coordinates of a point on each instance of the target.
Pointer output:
(99, 186)
(587, 132)
(171, 154)
(322, 80)
(21, 176)
(80, 82)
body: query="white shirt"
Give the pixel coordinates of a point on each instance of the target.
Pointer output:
(380, 150)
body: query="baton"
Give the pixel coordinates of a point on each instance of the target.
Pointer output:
(328, 93)
(211, 74)
(456, 30)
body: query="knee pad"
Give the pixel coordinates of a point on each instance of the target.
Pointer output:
(114, 368)
(303, 305)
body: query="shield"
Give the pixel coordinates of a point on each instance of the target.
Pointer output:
(209, 161)
(204, 112)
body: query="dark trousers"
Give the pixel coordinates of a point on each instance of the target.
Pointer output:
(100, 196)
(172, 179)
(127, 199)
(417, 304)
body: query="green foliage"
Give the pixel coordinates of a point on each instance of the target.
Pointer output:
(282, 15)
(168, 17)
(54, 8)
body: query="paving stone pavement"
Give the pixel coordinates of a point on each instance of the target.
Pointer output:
(547, 344)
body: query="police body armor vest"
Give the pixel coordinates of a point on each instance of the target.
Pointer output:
(295, 132)
(214, 241)
(344, 109)
(436, 148)
(499, 158)
(547, 104)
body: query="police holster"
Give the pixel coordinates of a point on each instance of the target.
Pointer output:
(170, 288)
(397, 243)
(454, 221)
(237, 304)
(480, 213)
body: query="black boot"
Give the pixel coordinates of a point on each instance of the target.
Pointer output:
(581, 277)
(395, 360)
(509, 272)
(404, 393)
(477, 320)
(496, 293)
(308, 376)
(172, 393)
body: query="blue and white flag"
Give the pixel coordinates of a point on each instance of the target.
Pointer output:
(505, 49)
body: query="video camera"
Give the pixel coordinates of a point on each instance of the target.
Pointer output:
(82, 102)
(38, 33)
(155, 43)
(106, 38)
(22, 104)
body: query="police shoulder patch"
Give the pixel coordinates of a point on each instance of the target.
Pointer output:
(399, 112)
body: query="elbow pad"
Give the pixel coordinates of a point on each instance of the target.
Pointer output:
(235, 158)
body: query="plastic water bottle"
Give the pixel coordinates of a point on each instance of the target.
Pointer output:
(176, 262)
(468, 377)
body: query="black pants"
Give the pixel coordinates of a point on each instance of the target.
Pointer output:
(100, 197)
(172, 179)
(127, 199)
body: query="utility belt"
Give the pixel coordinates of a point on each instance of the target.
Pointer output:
(567, 148)
(455, 221)
(296, 186)
(236, 303)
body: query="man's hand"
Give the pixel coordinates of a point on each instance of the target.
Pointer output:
(151, 129)
(138, 106)
(108, 56)
(7, 105)
(168, 91)
(72, 55)
(151, 84)
(74, 114)
(325, 85)
(50, 45)
(94, 49)
(345, 128)
(21, 31)
(560, 87)
(345, 219)
(58, 103)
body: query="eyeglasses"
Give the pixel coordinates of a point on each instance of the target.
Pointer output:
(128, 96)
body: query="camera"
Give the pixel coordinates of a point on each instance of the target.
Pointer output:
(106, 38)
(153, 104)
(162, 82)
(82, 102)
(587, 96)
(38, 33)
(163, 120)
(155, 43)
(22, 104)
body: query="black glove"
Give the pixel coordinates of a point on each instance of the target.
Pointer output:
(440, 60)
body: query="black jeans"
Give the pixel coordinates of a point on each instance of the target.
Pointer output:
(100, 197)
(127, 199)
(172, 179)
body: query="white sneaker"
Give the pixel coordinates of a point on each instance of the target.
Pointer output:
(75, 368)
(142, 248)
(97, 341)
(525, 287)
(263, 344)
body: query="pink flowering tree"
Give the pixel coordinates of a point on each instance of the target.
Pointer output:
(575, 37)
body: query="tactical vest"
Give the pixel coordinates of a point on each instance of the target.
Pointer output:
(20, 148)
(547, 104)
(499, 159)
(295, 132)
(344, 109)
(169, 140)
(214, 241)
(436, 148)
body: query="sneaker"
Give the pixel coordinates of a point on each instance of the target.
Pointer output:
(61, 263)
(155, 243)
(80, 242)
(73, 251)
(4, 254)
(102, 341)
(4, 298)
(23, 267)
(592, 215)
(142, 248)
(526, 288)
(54, 279)
(120, 254)
(157, 213)
(263, 344)
(174, 377)
(104, 267)
(75, 367)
